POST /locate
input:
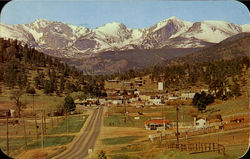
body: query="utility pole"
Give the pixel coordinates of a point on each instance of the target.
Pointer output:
(177, 130)
(7, 134)
(33, 101)
(52, 121)
(44, 118)
(36, 126)
(163, 119)
(67, 119)
(42, 142)
(24, 134)
(124, 99)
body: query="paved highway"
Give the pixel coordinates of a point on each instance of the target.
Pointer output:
(86, 140)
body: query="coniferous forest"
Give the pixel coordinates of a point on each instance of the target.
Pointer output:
(30, 70)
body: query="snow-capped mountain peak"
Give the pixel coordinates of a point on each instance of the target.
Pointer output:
(69, 40)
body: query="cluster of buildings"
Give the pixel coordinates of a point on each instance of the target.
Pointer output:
(142, 91)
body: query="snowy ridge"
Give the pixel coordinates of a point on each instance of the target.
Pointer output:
(81, 41)
(245, 28)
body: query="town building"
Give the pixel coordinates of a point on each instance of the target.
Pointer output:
(187, 95)
(156, 123)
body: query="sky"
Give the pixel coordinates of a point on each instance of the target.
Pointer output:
(133, 13)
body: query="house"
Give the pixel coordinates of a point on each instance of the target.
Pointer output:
(156, 101)
(155, 123)
(137, 92)
(187, 95)
(204, 90)
(173, 98)
(127, 84)
(199, 123)
(102, 101)
(112, 92)
(4, 112)
(117, 102)
(237, 120)
(144, 97)
(138, 81)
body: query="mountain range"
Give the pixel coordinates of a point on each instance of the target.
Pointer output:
(114, 47)
(64, 40)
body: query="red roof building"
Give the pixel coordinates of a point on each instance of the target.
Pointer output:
(155, 123)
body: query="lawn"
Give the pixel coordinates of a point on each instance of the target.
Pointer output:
(75, 123)
(119, 140)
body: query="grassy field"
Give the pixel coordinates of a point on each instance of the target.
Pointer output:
(41, 101)
(116, 117)
(15, 144)
(16, 132)
(119, 140)
(142, 151)
(229, 107)
(75, 123)
(52, 141)
(118, 121)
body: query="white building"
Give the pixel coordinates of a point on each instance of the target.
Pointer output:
(187, 95)
(117, 102)
(156, 101)
(160, 86)
(173, 98)
(200, 123)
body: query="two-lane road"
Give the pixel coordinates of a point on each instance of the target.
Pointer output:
(86, 140)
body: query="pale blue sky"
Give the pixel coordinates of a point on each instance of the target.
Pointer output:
(132, 13)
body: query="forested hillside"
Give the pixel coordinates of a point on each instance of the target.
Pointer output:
(224, 78)
(27, 69)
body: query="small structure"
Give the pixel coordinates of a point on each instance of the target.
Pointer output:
(199, 123)
(102, 101)
(173, 98)
(138, 82)
(4, 112)
(155, 123)
(127, 84)
(214, 118)
(156, 101)
(117, 102)
(237, 120)
(187, 95)
(160, 86)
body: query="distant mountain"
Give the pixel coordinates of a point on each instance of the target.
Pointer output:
(69, 41)
(232, 47)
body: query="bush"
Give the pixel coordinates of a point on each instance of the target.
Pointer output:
(30, 90)
(202, 100)
(102, 155)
